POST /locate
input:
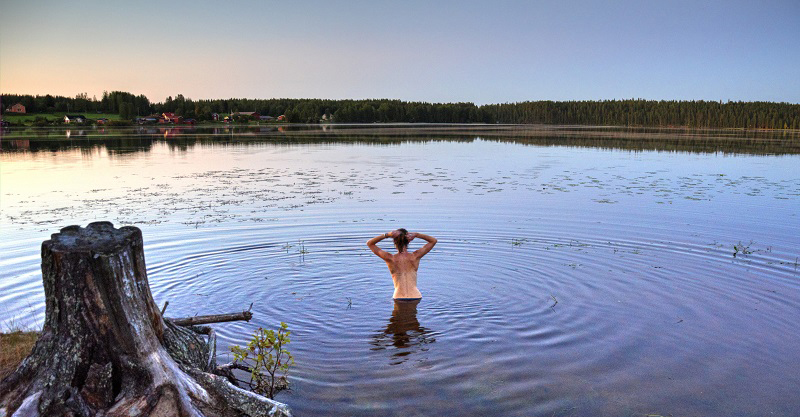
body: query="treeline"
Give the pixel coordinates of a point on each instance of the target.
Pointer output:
(51, 104)
(709, 114)
(705, 114)
(340, 111)
(125, 104)
(634, 112)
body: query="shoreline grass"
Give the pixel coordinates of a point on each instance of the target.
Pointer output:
(17, 338)
(14, 347)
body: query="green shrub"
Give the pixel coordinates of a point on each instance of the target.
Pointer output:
(267, 359)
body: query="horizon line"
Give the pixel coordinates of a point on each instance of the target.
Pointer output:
(94, 98)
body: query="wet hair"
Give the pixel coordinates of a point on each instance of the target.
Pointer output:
(401, 241)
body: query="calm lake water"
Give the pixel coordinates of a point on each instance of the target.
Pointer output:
(579, 271)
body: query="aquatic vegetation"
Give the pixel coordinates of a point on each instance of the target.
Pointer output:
(742, 249)
(267, 359)
(302, 251)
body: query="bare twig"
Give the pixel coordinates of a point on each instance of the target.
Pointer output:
(554, 299)
(215, 318)
(163, 309)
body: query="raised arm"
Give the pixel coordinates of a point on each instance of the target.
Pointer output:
(419, 253)
(373, 246)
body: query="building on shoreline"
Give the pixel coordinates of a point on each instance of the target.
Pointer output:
(17, 108)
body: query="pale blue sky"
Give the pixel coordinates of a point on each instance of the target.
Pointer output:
(442, 51)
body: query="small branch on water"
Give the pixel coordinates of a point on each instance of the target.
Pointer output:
(554, 299)
(215, 318)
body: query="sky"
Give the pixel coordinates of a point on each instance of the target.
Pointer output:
(437, 51)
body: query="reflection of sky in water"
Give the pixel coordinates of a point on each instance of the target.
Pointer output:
(145, 187)
(636, 246)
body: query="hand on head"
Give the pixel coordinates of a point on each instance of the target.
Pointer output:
(396, 233)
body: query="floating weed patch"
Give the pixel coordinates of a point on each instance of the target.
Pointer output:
(303, 250)
(740, 249)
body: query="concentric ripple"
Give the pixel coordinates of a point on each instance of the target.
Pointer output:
(566, 281)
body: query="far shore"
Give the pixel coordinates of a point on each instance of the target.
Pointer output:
(393, 125)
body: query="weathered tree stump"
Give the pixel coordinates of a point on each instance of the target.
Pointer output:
(105, 349)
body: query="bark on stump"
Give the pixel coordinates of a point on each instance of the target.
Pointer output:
(105, 349)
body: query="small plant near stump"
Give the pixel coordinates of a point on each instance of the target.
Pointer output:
(267, 360)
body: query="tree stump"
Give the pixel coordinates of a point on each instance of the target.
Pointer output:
(105, 349)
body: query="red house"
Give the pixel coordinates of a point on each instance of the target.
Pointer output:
(17, 108)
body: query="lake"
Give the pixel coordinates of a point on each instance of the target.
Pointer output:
(579, 271)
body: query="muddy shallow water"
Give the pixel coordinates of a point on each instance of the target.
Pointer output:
(578, 272)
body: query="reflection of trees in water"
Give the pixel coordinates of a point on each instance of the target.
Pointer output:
(142, 138)
(403, 333)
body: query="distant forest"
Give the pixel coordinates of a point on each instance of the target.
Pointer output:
(634, 112)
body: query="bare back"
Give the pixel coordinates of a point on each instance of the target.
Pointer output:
(403, 265)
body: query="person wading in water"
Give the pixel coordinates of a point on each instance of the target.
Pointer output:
(403, 265)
